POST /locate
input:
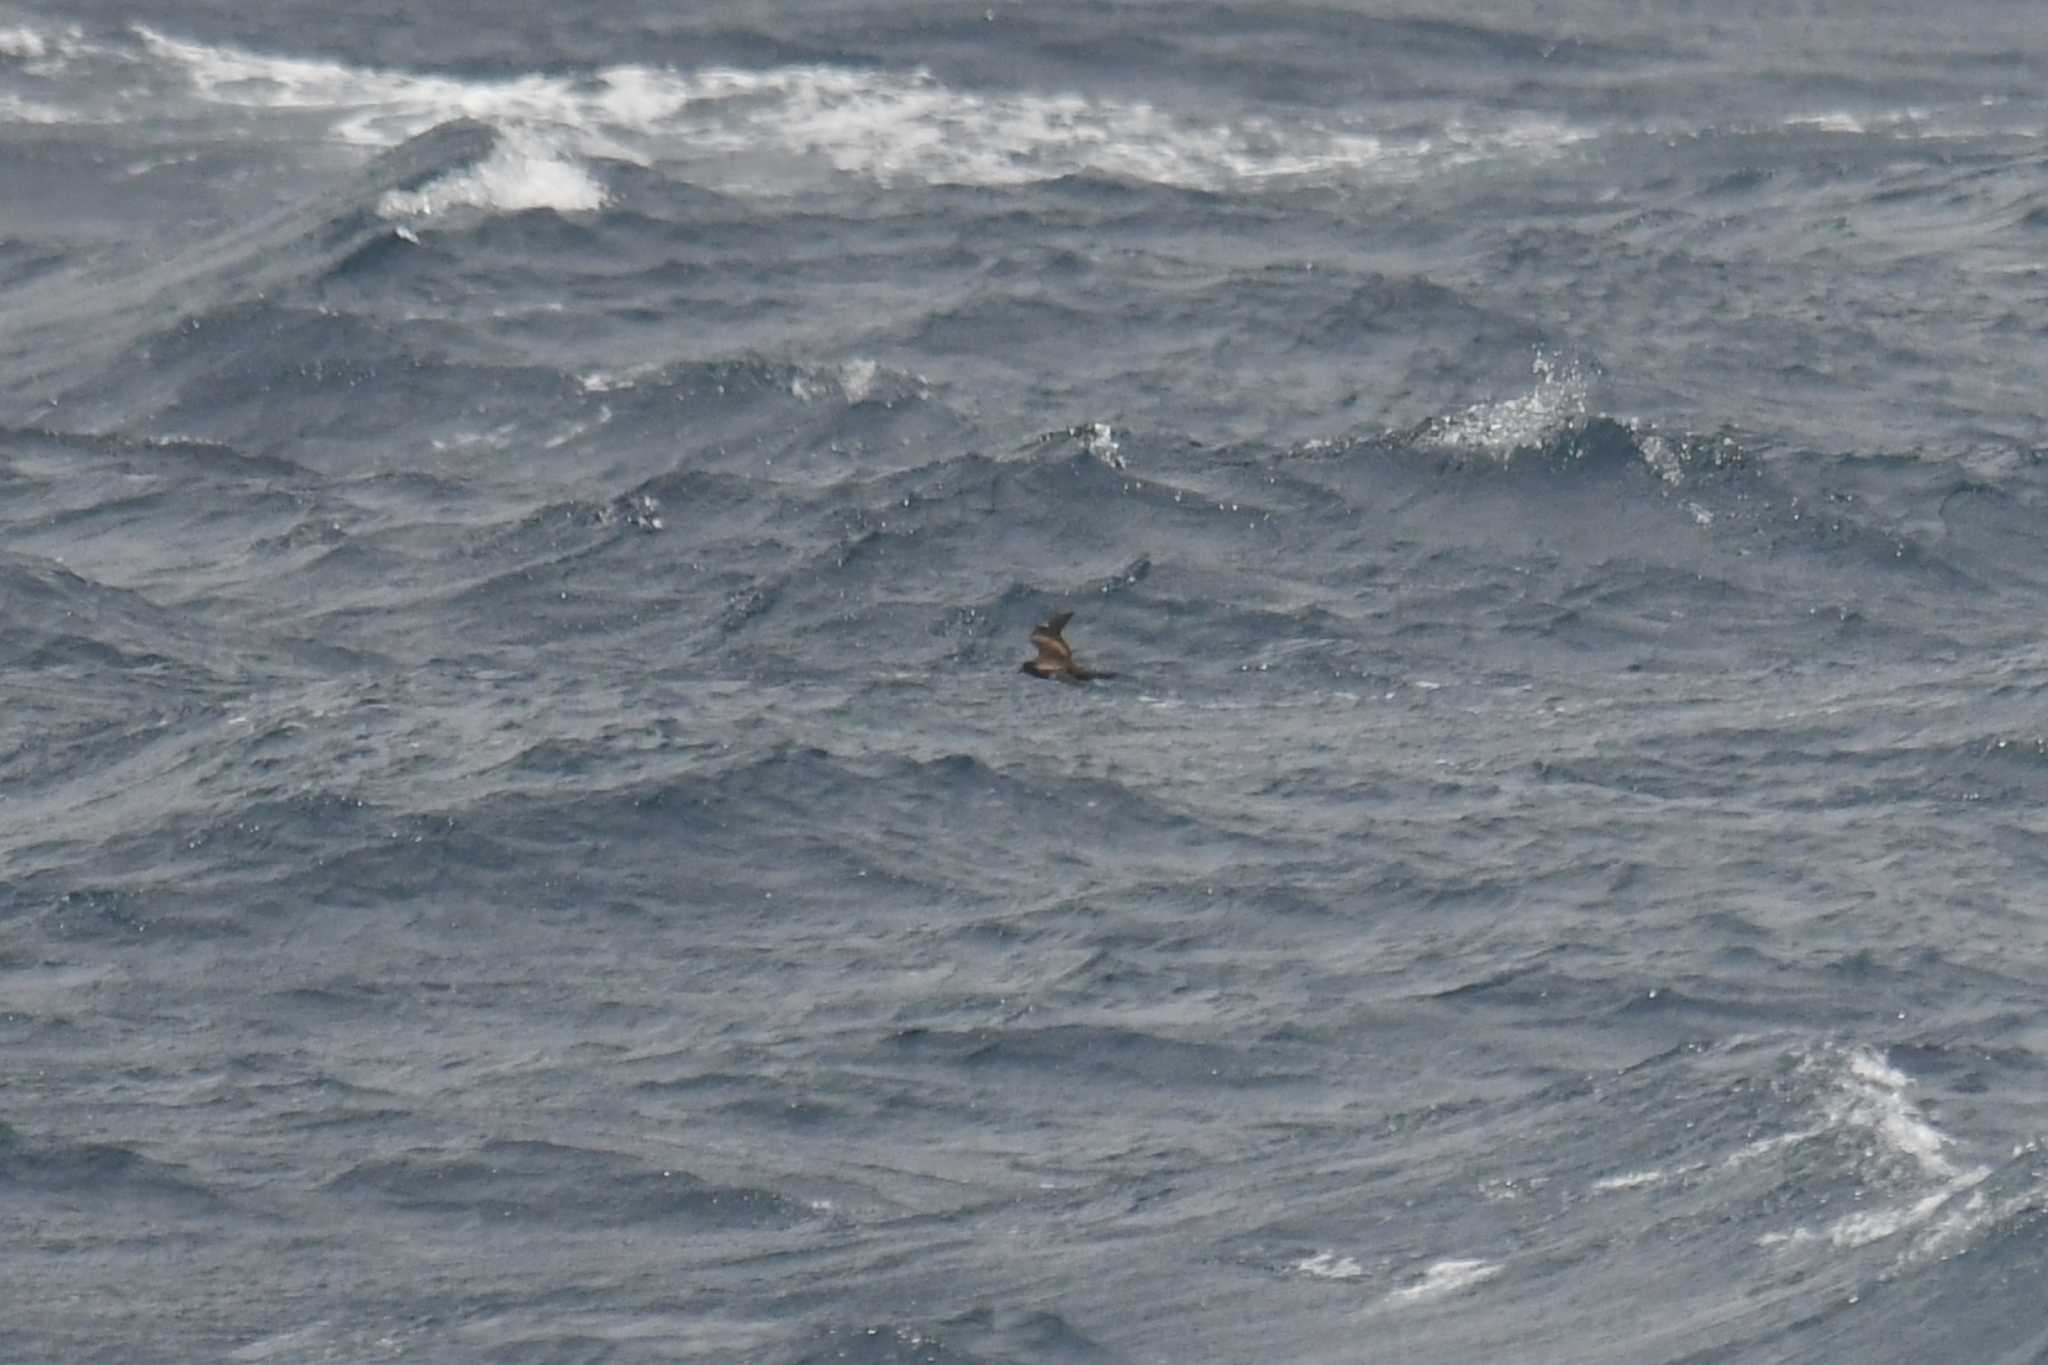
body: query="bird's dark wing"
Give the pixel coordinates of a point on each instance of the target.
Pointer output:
(1047, 638)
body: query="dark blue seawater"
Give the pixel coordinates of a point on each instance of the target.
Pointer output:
(523, 838)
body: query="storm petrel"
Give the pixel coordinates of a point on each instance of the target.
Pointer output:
(1055, 659)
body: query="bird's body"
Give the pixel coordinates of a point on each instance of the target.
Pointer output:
(1055, 657)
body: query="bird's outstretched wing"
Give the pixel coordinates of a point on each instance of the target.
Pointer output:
(1048, 640)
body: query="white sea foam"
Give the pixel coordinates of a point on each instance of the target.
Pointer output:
(47, 51)
(15, 109)
(1099, 439)
(24, 43)
(1551, 409)
(1328, 1265)
(1869, 1101)
(379, 108)
(1911, 123)
(524, 171)
(857, 380)
(1835, 122)
(852, 381)
(1871, 1096)
(1763, 1147)
(1445, 1277)
(741, 130)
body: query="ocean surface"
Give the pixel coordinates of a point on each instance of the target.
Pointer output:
(523, 838)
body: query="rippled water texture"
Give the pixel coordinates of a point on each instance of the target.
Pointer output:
(523, 836)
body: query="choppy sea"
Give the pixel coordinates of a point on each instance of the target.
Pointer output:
(523, 838)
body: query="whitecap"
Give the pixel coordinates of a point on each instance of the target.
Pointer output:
(522, 172)
(777, 128)
(1328, 1265)
(1445, 1277)
(1870, 1104)
(1553, 408)
(24, 43)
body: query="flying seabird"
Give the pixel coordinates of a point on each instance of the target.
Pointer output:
(1055, 659)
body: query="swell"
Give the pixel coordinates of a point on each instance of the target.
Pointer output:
(93, 346)
(1596, 534)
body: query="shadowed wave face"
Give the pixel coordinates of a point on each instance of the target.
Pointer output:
(517, 545)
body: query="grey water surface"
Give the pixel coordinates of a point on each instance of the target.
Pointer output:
(522, 838)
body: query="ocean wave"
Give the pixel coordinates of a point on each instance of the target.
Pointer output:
(513, 1179)
(91, 1173)
(768, 130)
(524, 171)
(18, 109)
